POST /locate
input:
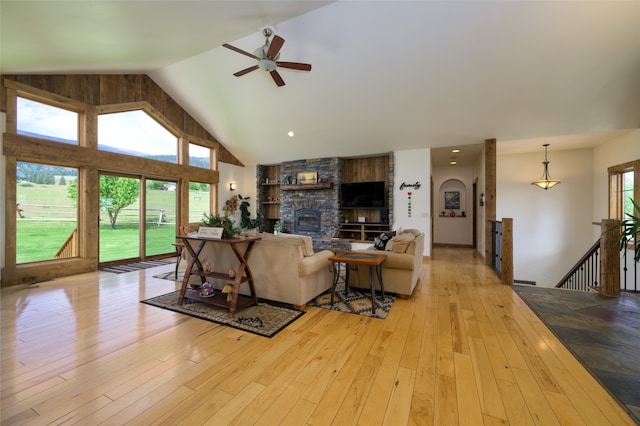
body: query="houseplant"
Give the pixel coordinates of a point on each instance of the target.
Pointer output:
(225, 222)
(278, 227)
(245, 216)
(630, 230)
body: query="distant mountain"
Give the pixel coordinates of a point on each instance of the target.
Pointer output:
(193, 161)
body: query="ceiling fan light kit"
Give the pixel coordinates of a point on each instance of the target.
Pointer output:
(268, 57)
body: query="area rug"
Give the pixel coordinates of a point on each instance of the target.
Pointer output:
(129, 267)
(355, 302)
(602, 332)
(264, 320)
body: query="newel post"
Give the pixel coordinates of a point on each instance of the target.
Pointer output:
(610, 257)
(507, 251)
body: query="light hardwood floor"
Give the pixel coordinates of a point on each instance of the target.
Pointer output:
(463, 350)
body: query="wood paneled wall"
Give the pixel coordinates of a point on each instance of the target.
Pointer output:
(366, 169)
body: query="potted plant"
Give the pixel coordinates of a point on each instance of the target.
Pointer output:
(278, 227)
(225, 222)
(245, 217)
(630, 230)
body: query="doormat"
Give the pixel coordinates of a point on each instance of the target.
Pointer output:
(355, 302)
(264, 320)
(602, 332)
(130, 267)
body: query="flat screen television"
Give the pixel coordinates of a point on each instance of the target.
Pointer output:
(354, 195)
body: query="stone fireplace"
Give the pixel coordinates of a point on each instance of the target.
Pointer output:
(312, 210)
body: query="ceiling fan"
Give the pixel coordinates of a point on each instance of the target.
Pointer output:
(267, 57)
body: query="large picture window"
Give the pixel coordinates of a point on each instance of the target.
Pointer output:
(47, 212)
(46, 121)
(199, 200)
(199, 156)
(136, 133)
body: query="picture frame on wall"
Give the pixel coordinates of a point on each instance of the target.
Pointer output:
(452, 200)
(307, 178)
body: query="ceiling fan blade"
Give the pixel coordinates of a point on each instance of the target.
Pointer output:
(275, 46)
(235, 49)
(276, 77)
(245, 71)
(294, 66)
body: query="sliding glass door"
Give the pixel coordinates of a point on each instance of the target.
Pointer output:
(160, 216)
(119, 218)
(127, 234)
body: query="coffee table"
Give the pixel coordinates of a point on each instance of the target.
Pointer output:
(347, 258)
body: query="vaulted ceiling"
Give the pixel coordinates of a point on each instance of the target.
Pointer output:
(387, 75)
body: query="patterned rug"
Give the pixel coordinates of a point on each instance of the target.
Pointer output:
(355, 302)
(264, 320)
(121, 269)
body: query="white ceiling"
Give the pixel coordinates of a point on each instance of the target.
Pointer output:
(387, 75)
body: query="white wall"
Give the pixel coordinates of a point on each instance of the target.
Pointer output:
(551, 229)
(456, 230)
(245, 179)
(411, 166)
(617, 151)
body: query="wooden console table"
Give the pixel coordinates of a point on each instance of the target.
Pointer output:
(242, 273)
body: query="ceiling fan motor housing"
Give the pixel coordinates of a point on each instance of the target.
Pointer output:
(267, 65)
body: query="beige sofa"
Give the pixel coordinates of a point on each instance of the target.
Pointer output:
(284, 267)
(400, 270)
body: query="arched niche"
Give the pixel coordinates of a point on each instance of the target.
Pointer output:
(452, 198)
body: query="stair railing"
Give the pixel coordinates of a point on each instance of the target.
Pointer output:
(585, 273)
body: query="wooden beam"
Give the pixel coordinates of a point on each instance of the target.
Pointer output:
(507, 251)
(610, 257)
(489, 194)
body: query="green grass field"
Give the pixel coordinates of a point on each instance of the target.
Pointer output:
(50, 218)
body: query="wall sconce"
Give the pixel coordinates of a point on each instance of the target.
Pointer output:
(232, 186)
(545, 182)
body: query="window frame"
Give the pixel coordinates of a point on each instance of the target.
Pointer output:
(86, 157)
(616, 187)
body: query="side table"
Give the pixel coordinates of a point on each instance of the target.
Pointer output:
(373, 261)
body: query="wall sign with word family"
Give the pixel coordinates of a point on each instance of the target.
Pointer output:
(404, 185)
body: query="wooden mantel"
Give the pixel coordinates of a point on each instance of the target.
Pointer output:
(307, 186)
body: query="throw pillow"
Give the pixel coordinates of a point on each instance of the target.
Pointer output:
(414, 232)
(401, 242)
(381, 241)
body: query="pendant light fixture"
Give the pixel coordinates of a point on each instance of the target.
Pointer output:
(545, 182)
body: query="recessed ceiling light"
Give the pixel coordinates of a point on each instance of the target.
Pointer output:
(455, 150)
(290, 133)
(453, 163)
